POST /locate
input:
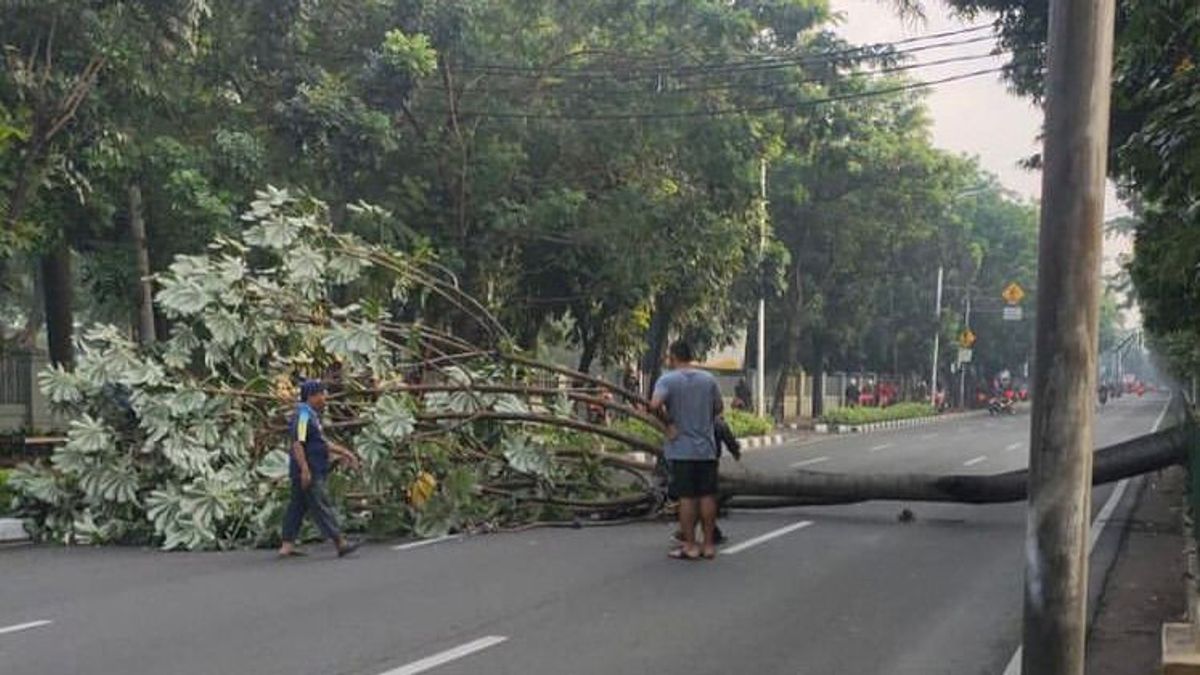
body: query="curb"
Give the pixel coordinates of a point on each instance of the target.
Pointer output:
(822, 428)
(747, 443)
(758, 442)
(12, 530)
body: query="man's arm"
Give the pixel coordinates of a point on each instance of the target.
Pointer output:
(345, 454)
(302, 462)
(718, 402)
(658, 401)
(298, 450)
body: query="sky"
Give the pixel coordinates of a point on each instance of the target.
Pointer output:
(977, 116)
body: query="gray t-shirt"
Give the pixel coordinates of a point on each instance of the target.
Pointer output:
(691, 397)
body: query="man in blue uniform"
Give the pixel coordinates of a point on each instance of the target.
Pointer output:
(307, 468)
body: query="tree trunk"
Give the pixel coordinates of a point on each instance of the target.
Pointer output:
(656, 344)
(147, 334)
(36, 318)
(1129, 458)
(588, 355)
(791, 339)
(59, 303)
(819, 376)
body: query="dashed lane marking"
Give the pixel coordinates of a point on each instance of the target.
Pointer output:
(442, 658)
(764, 538)
(810, 462)
(24, 626)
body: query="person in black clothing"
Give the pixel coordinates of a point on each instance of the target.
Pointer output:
(852, 394)
(742, 398)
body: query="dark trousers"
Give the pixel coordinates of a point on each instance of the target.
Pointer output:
(314, 500)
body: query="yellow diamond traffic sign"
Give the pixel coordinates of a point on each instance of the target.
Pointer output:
(1013, 293)
(966, 339)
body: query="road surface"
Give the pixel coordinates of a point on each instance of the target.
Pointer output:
(811, 591)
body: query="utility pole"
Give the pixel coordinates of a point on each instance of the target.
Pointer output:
(760, 379)
(937, 338)
(1078, 87)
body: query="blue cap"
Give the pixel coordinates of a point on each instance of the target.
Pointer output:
(310, 388)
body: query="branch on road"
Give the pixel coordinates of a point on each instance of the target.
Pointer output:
(805, 488)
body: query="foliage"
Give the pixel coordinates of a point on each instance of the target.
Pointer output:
(867, 415)
(745, 424)
(1154, 144)
(183, 444)
(6, 492)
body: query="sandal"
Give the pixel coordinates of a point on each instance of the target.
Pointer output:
(293, 554)
(682, 554)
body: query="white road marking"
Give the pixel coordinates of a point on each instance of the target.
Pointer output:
(882, 446)
(1102, 518)
(425, 542)
(764, 538)
(976, 460)
(810, 462)
(442, 658)
(24, 626)
(1013, 446)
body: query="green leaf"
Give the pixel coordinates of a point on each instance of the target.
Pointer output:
(89, 435)
(393, 417)
(274, 465)
(525, 457)
(347, 340)
(60, 385)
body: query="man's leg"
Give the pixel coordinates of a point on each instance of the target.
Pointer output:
(707, 488)
(293, 518)
(688, 508)
(324, 517)
(708, 522)
(322, 512)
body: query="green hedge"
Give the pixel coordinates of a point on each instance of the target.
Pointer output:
(6, 493)
(748, 424)
(900, 411)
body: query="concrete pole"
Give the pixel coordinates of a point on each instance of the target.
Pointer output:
(760, 380)
(937, 338)
(1078, 87)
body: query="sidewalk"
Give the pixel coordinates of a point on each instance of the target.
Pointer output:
(1145, 587)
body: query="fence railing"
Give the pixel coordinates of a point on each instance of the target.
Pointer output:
(22, 406)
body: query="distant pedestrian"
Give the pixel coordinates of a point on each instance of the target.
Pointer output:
(742, 399)
(852, 394)
(308, 467)
(690, 402)
(629, 380)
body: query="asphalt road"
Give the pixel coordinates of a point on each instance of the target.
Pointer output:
(813, 591)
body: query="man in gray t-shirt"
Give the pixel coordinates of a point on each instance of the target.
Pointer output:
(690, 401)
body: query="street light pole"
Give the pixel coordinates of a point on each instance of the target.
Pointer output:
(760, 384)
(1078, 90)
(937, 338)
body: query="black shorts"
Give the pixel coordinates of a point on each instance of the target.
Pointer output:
(692, 478)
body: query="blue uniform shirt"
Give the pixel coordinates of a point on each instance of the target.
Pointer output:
(305, 427)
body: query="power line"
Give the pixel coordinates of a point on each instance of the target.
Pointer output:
(764, 61)
(883, 91)
(739, 86)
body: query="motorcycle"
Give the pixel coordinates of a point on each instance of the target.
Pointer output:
(1001, 405)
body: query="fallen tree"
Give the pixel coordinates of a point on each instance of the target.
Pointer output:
(804, 488)
(183, 443)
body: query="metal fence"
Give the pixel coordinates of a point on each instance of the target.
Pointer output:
(16, 378)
